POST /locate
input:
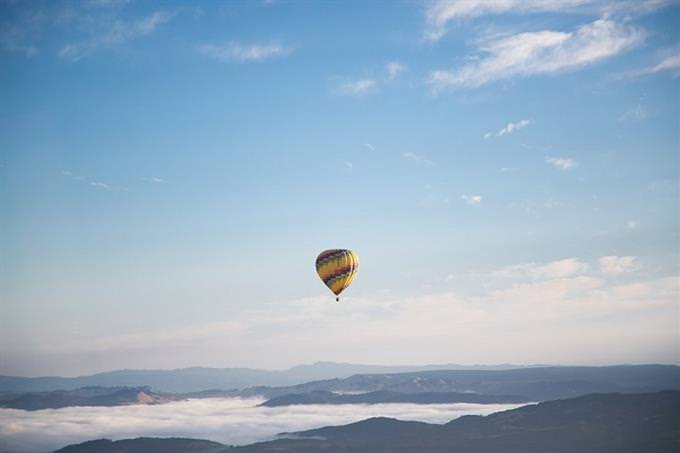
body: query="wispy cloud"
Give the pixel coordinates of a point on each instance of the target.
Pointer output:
(100, 185)
(616, 265)
(439, 13)
(84, 179)
(349, 166)
(154, 179)
(417, 158)
(542, 52)
(471, 199)
(634, 114)
(569, 267)
(510, 127)
(20, 28)
(357, 87)
(668, 63)
(12, 40)
(118, 34)
(394, 68)
(369, 146)
(563, 163)
(235, 51)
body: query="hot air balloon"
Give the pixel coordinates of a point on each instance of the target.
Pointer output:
(337, 268)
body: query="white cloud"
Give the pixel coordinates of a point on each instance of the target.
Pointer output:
(154, 179)
(542, 52)
(634, 114)
(668, 63)
(417, 158)
(563, 163)
(440, 12)
(471, 199)
(394, 68)
(118, 34)
(349, 166)
(357, 87)
(510, 127)
(234, 51)
(632, 224)
(569, 267)
(232, 421)
(100, 184)
(369, 146)
(513, 126)
(616, 265)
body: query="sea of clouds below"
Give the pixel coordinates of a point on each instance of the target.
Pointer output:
(228, 420)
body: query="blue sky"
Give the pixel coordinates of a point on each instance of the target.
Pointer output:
(506, 171)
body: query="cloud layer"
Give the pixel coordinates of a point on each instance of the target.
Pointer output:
(230, 421)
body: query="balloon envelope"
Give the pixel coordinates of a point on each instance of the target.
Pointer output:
(337, 268)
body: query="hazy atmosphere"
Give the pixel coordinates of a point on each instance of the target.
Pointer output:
(169, 171)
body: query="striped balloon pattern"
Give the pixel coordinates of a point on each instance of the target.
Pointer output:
(337, 269)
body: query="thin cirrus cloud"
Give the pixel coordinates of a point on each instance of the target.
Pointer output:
(85, 179)
(564, 268)
(440, 13)
(119, 33)
(471, 199)
(669, 63)
(563, 163)
(394, 68)
(155, 179)
(417, 158)
(241, 53)
(357, 87)
(509, 128)
(99, 184)
(543, 52)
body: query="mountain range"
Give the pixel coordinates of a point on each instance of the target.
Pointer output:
(196, 379)
(421, 387)
(85, 396)
(532, 384)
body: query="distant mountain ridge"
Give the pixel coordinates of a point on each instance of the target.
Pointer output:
(86, 396)
(534, 384)
(422, 387)
(196, 379)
